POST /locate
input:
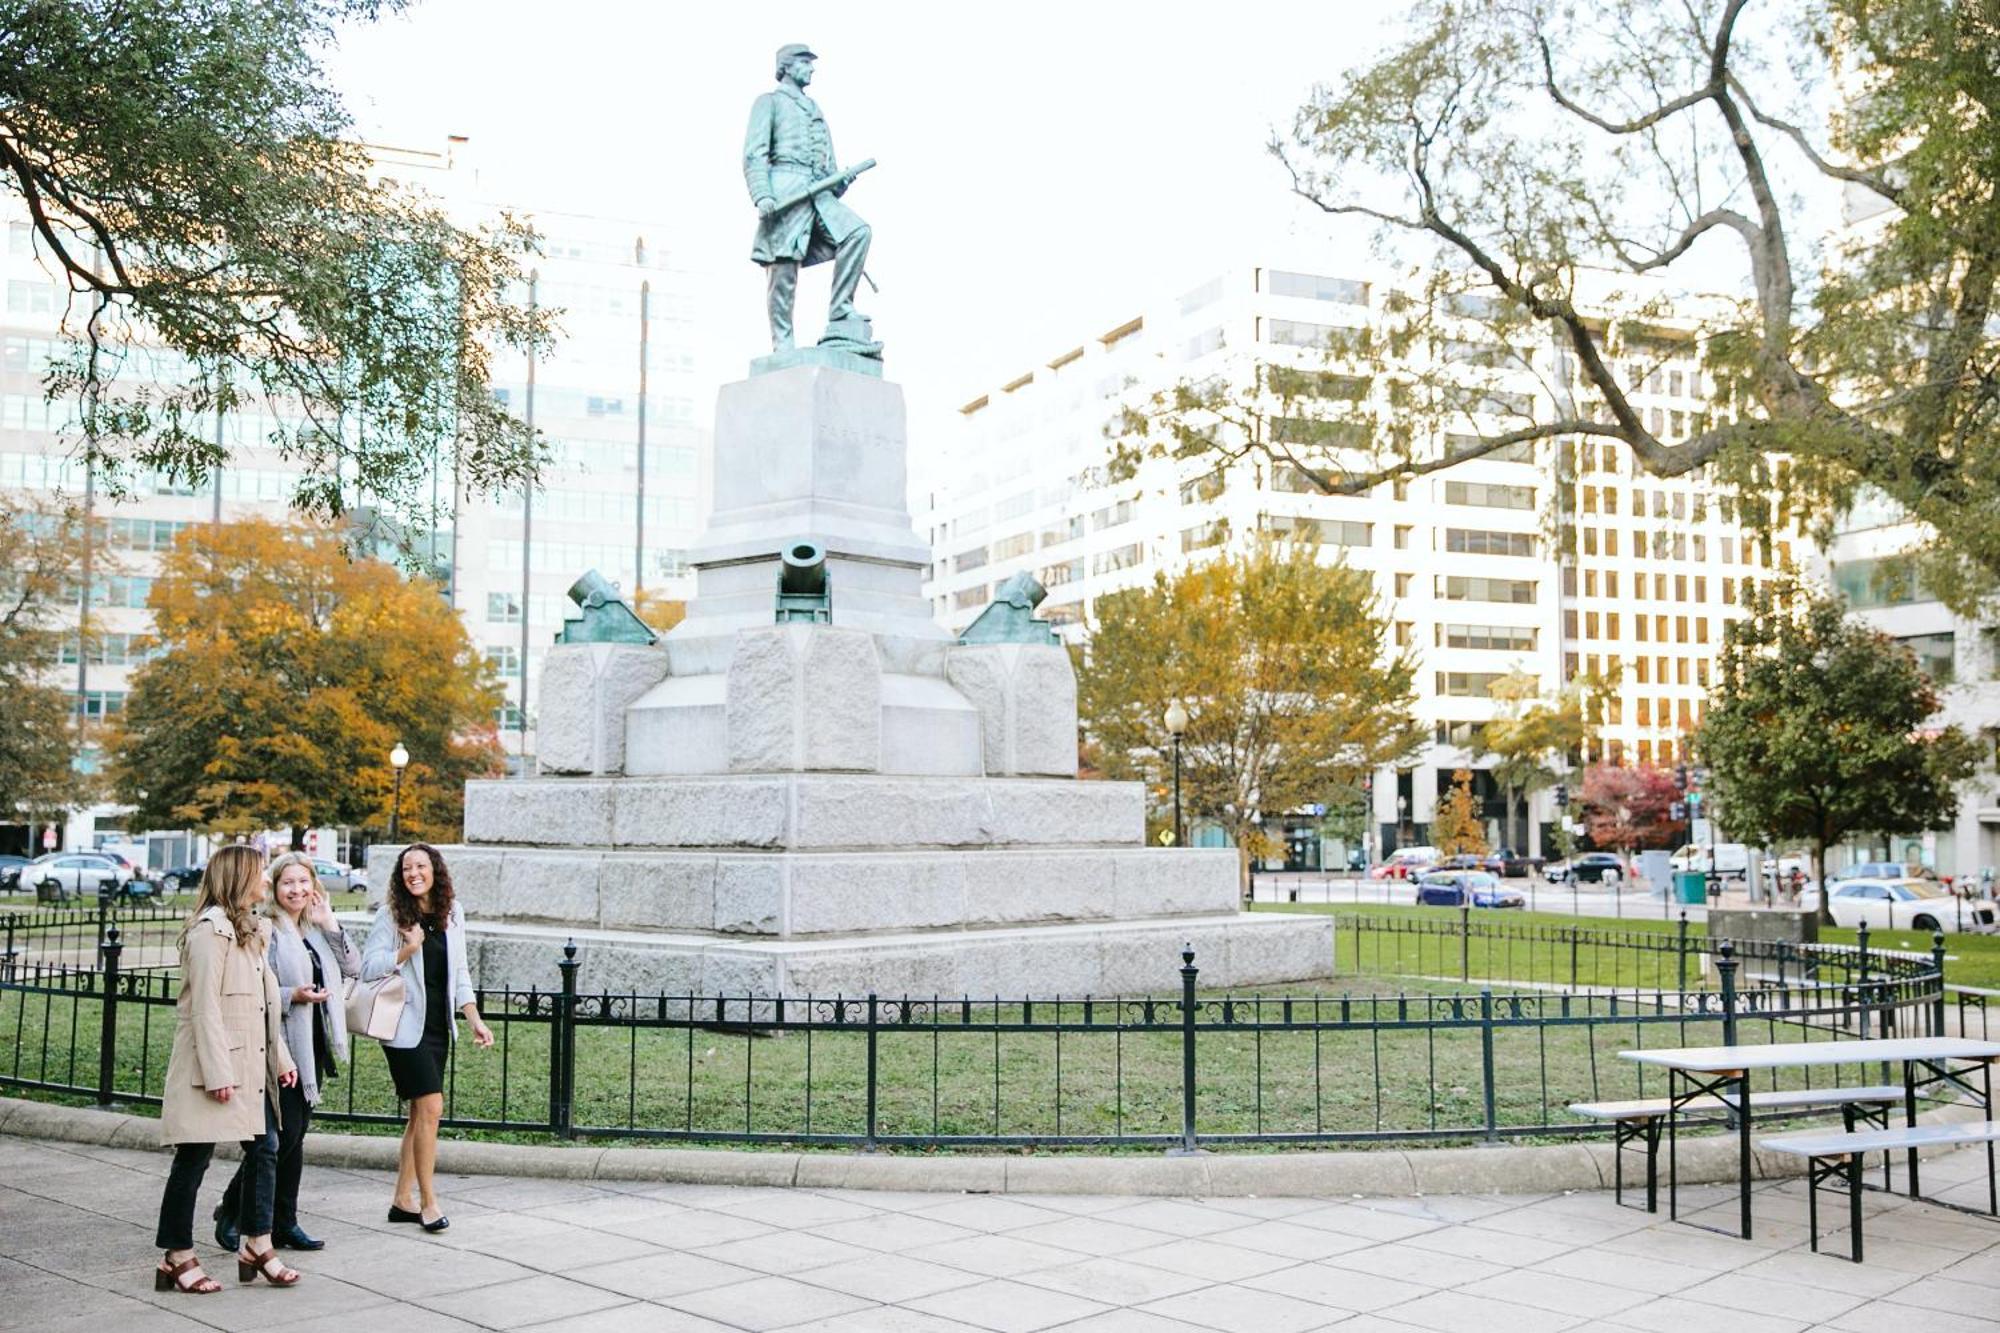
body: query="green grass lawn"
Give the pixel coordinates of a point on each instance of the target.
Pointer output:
(1970, 960)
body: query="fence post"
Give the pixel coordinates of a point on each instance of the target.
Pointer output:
(1573, 933)
(1465, 937)
(874, 1069)
(1937, 1005)
(1725, 967)
(1486, 1063)
(1682, 970)
(562, 1049)
(1188, 973)
(1861, 981)
(7, 958)
(107, 1037)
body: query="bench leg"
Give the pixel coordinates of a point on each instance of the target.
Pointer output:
(1813, 1176)
(1653, 1164)
(1854, 1203)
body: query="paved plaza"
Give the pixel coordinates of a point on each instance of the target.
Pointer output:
(76, 1226)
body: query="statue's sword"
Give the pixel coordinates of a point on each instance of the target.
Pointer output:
(822, 185)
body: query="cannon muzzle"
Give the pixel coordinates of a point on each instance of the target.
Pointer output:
(804, 574)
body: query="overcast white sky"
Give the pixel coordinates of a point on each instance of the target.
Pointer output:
(1044, 166)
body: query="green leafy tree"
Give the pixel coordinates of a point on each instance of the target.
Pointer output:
(41, 563)
(288, 673)
(1456, 828)
(1279, 661)
(1552, 163)
(1820, 726)
(1535, 735)
(191, 180)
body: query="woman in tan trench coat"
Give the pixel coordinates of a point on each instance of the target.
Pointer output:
(228, 1061)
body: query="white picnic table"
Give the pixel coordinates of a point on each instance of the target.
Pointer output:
(1723, 1073)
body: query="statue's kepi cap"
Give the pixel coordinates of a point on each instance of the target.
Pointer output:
(787, 54)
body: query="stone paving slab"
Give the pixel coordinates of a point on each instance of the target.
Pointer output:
(534, 1254)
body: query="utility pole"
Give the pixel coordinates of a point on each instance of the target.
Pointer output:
(645, 328)
(527, 532)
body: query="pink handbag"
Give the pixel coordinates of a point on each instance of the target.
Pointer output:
(374, 1008)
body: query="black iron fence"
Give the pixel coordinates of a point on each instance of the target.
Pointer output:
(71, 936)
(1180, 1070)
(1461, 946)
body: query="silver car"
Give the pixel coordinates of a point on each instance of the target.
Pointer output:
(61, 875)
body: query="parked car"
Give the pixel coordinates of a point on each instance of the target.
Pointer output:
(1404, 860)
(1470, 861)
(1907, 904)
(1881, 870)
(1460, 888)
(181, 879)
(1516, 865)
(62, 875)
(10, 872)
(335, 878)
(1588, 868)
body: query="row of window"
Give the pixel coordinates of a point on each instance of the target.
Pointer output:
(614, 561)
(112, 650)
(1654, 629)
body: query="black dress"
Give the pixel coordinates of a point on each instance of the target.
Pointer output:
(419, 1070)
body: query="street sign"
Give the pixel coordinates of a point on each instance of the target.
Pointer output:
(1316, 809)
(1700, 832)
(1166, 837)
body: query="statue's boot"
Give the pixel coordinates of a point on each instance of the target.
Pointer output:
(850, 257)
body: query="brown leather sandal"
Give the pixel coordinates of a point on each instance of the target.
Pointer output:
(248, 1269)
(167, 1277)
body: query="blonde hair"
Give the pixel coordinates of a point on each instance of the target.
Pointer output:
(275, 871)
(232, 875)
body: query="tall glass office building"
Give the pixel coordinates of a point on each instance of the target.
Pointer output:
(504, 561)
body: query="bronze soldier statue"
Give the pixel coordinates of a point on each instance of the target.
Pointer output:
(786, 152)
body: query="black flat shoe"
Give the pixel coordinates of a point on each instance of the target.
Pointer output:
(226, 1234)
(403, 1215)
(438, 1225)
(295, 1238)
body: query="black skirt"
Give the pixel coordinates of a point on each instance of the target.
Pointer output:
(418, 1070)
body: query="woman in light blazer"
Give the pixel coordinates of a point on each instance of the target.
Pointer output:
(309, 955)
(228, 1063)
(420, 933)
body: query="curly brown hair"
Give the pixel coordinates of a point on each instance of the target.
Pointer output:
(436, 905)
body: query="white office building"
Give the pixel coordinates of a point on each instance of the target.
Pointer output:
(1549, 559)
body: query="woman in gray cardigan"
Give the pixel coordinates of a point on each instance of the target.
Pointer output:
(419, 933)
(309, 955)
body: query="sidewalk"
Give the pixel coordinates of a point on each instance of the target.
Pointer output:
(548, 1255)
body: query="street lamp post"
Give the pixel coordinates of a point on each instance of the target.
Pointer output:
(399, 759)
(1177, 720)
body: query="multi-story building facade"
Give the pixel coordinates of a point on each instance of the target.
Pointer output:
(504, 564)
(1546, 560)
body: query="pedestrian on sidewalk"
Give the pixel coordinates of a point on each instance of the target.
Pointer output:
(309, 954)
(228, 1063)
(420, 934)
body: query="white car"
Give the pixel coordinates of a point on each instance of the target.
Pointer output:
(1907, 904)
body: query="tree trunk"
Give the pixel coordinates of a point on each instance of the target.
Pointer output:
(1819, 876)
(298, 837)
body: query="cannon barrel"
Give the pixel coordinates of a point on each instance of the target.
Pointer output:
(804, 573)
(593, 585)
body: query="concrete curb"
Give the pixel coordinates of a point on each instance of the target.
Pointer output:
(1507, 1169)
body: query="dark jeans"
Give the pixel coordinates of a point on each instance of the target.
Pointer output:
(253, 1210)
(296, 1117)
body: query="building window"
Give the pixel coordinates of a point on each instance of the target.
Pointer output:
(1402, 585)
(1462, 588)
(1119, 557)
(503, 608)
(1481, 541)
(1314, 287)
(1469, 684)
(1204, 535)
(1488, 495)
(505, 660)
(1298, 333)
(1499, 638)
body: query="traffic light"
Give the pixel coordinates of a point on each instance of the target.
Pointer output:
(1681, 776)
(1562, 797)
